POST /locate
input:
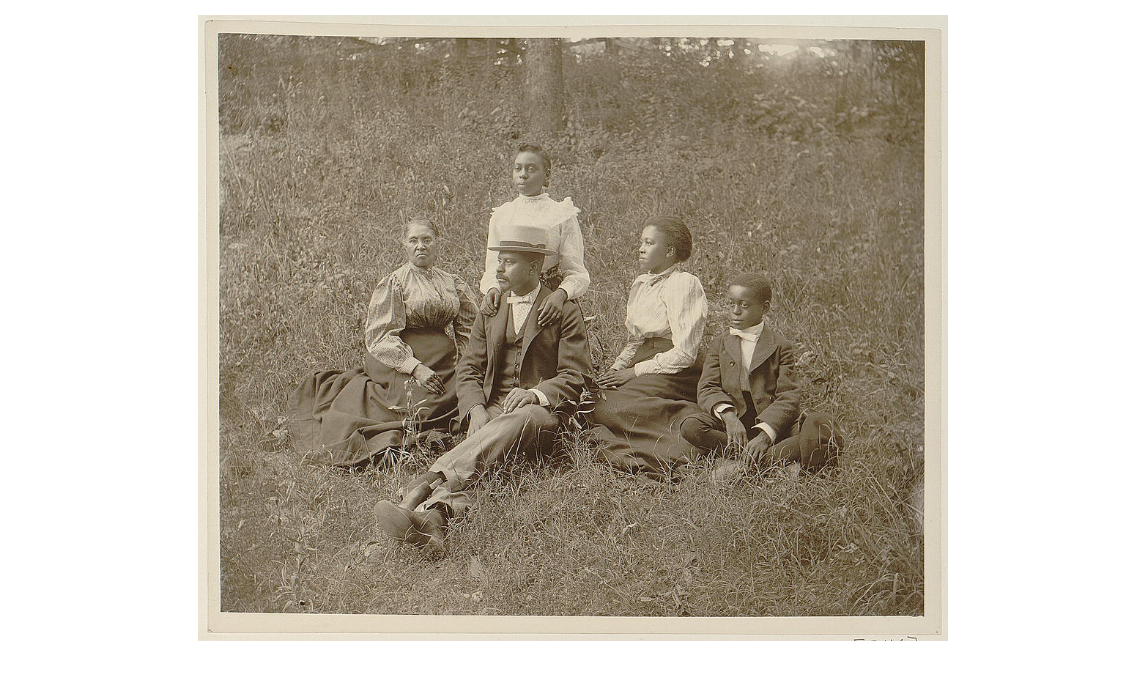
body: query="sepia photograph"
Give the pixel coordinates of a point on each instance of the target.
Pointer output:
(527, 323)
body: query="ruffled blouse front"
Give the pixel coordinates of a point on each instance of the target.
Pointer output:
(412, 297)
(671, 305)
(564, 235)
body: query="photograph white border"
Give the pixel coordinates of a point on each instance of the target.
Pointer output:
(215, 624)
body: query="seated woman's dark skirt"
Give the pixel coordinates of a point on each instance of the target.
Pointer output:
(637, 425)
(347, 418)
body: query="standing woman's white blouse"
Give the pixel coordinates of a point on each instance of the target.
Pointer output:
(563, 235)
(412, 297)
(672, 305)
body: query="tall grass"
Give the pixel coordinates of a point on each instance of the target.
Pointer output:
(323, 155)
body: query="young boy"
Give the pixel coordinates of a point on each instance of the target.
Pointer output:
(749, 397)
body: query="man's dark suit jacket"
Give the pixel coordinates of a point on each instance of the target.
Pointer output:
(554, 360)
(774, 390)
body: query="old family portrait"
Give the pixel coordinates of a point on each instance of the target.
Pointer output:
(616, 326)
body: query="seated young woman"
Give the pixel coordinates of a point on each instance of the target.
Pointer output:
(641, 399)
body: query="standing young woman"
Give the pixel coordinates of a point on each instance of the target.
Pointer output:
(418, 322)
(564, 271)
(656, 374)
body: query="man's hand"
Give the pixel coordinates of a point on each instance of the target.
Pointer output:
(736, 433)
(615, 379)
(491, 302)
(518, 398)
(552, 308)
(429, 379)
(478, 418)
(757, 448)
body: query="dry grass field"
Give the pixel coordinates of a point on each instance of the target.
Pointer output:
(797, 172)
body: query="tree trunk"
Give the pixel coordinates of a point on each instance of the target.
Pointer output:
(544, 71)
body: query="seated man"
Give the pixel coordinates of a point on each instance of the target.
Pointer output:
(511, 382)
(749, 398)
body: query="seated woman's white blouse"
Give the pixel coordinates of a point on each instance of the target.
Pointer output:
(672, 305)
(411, 297)
(564, 235)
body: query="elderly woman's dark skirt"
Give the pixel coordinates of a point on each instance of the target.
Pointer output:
(347, 418)
(637, 425)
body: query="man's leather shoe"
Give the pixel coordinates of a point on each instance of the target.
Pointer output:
(418, 528)
(417, 489)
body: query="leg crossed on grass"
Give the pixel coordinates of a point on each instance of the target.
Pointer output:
(814, 444)
(528, 431)
(429, 499)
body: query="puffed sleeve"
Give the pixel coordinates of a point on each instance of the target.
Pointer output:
(463, 324)
(385, 320)
(576, 278)
(686, 304)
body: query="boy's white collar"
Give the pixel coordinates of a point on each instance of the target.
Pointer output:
(752, 332)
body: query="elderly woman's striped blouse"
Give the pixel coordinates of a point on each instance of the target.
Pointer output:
(412, 297)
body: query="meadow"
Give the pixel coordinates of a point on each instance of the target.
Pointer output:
(326, 148)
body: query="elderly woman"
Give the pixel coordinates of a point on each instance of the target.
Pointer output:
(642, 398)
(418, 322)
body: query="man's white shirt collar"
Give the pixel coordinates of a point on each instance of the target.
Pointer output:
(529, 298)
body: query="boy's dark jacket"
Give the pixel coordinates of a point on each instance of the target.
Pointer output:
(555, 357)
(774, 389)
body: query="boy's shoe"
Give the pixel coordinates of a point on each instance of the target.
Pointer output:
(418, 528)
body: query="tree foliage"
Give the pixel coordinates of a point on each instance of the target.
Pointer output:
(614, 91)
